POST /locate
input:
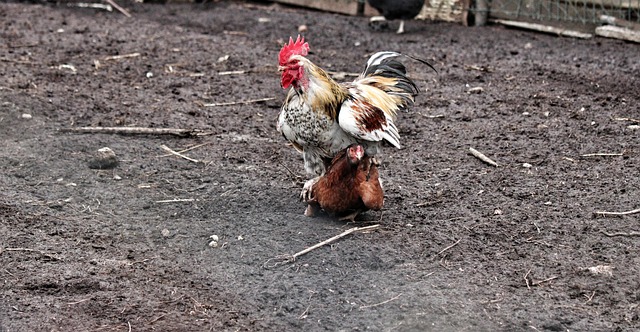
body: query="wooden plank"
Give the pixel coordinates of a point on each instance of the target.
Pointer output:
(349, 7)
(610, 31)
(619, 22)
(545, 28)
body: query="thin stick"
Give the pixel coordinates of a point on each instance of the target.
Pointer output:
(177, 200)
(135, 130)
(607, 213)
(527, 279)
(72, 303)
(185, 150)
(632, 233)
(239, 102)
(232, 72)
(602, 154)
(29, 250)
(482, 157)
(91, 5)
(343, 234)
(166, 148)
(157, 318)
(303, 315)
(290, 258)
(449, 247)
(589, 298)
(291, 172)
(543, 281)
(120, 9)
(129, 326)
(122, 56)
(628, 119)
(381, 303)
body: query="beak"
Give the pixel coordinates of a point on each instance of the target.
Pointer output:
(281, 68)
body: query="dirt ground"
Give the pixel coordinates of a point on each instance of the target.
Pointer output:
(462, 245)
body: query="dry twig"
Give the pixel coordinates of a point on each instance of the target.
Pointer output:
(30, 250)
(543, 281)
(166, 148)
(136, 130)
(632, 233)
(291, 258)
(482, 157)
(607, 213)
(177, 200)
(185, 150)
(449, 247)
(239, 102)
(120, 9)
(602, 154)
(122, 56)
(232, 72)
(381, 303)
(526, 279)
(628, 119)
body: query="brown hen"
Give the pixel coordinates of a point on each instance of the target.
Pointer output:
(349, 186)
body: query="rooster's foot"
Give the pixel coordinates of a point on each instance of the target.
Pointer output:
(311, 210)
(307, 191)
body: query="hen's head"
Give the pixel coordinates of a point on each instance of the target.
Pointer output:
(355, 152)
(290, 61)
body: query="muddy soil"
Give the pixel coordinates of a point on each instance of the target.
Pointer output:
(461, 246)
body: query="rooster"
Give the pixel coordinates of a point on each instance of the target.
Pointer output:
(350, 186)
(321, 117)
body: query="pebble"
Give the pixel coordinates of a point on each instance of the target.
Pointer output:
(214, 241)
(26, 116)
(104, 158)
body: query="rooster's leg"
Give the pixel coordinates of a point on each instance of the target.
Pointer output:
(307, 192)
(401, 28)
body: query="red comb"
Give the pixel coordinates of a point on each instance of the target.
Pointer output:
(299, 47)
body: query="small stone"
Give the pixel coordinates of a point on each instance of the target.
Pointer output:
(26, 116)
(165, 232)
(214, 241)
(302, 28)
(527, 165)
(149, 74)
(117, 177)
(240, 238)
(264, 19)
(606, 270)
(633, 127)
(497, 212)
(104, 158)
